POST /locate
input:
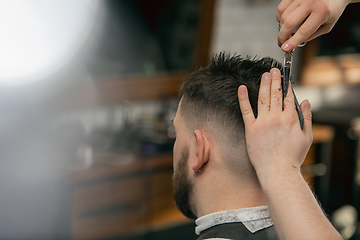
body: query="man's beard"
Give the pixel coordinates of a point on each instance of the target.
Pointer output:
(183, 186)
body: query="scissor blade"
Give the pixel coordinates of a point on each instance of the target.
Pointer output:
(285, 86)
(286, 72)
(298, 110)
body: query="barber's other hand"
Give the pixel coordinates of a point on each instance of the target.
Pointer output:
(316, 16)
(274, 139)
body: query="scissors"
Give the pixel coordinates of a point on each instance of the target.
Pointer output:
(285, 83)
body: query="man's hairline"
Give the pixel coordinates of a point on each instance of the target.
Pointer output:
(213, 128)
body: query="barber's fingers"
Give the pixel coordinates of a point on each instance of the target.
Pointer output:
(306, 109)
(276, 91)
(292, 117)
(264, 94)
(245, 106)
(308, 28)
(292, 18)
(283, 5)
(293, 7)
(289, 102)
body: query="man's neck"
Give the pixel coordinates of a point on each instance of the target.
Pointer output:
(215, 192)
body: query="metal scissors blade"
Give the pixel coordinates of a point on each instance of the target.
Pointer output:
(285, 85)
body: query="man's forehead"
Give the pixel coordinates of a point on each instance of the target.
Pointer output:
(180, 102)
(178, 109)
(178, 116)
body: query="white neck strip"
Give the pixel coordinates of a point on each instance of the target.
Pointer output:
(254, 219)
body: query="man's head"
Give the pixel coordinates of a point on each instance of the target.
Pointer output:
(209, 121)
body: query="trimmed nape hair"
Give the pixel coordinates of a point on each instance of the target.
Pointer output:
(209, 95)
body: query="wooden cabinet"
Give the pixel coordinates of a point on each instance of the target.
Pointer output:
(109, 208)
(112, 201)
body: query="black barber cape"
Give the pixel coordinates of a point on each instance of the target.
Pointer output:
(238, 224)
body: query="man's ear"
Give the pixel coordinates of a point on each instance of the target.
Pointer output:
(203, 150)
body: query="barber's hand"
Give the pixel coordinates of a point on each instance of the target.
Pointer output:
(316, 16)
(274, 139)
(277, 147)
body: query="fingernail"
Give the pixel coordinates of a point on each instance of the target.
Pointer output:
(307, 104)
(274, 70)
(285, 47)
(267, 75)
(242, 89)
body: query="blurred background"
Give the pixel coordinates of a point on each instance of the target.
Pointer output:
(88, 90)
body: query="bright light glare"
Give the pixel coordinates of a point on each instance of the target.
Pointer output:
(40, 36)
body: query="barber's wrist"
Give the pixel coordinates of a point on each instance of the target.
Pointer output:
(274, 173)
(280, 182)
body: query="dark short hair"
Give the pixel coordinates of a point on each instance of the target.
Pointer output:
(210, 94)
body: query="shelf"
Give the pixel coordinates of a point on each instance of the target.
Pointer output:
(116, 89)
